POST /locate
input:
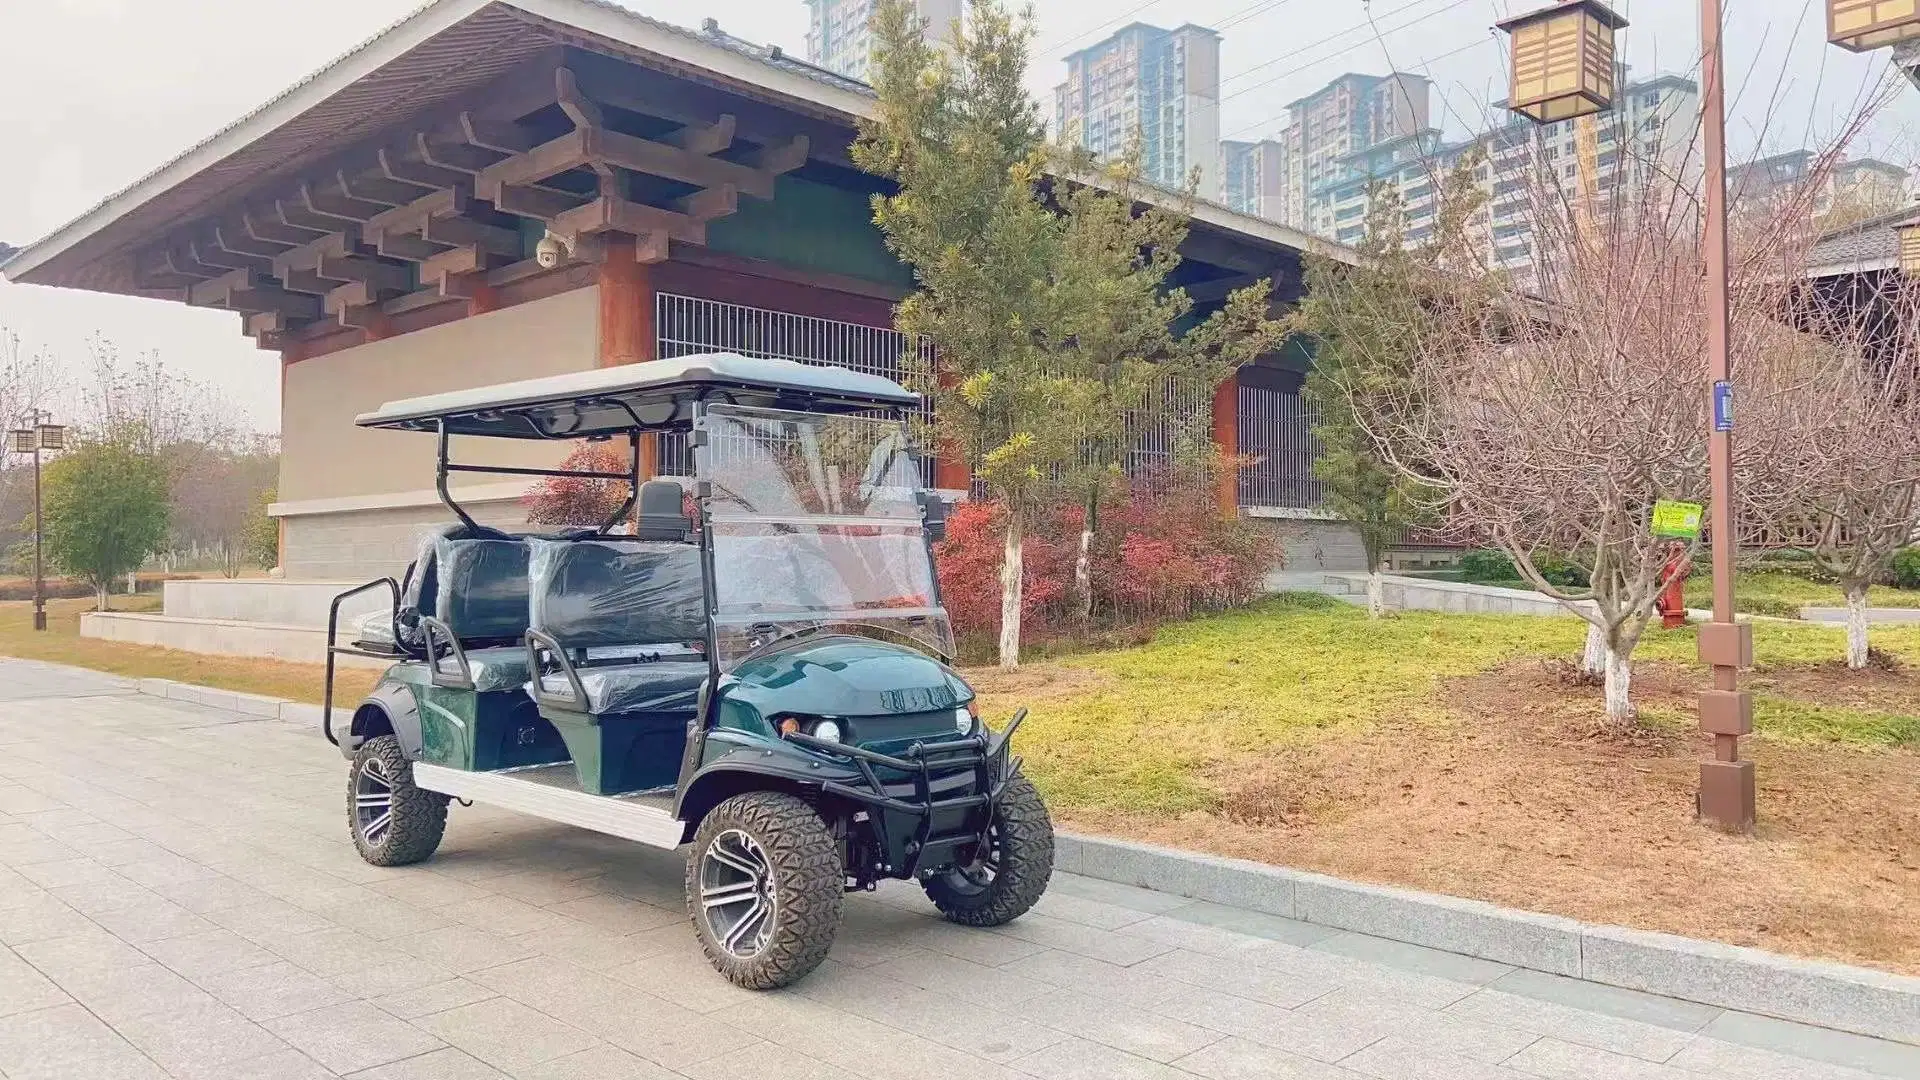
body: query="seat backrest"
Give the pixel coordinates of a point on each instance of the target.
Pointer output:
(482, 589)
(661, 512)
(589, 594)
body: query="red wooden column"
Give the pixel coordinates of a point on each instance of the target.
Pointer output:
(1226, 442)
(626, 320)
(950, 472)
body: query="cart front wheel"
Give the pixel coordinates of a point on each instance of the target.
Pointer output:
(764, 888)
(393, 822)
(1002, 882)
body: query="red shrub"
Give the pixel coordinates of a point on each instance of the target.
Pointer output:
(1163, 553)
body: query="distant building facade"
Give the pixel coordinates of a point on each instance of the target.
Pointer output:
(1847, 192)
(838, 37)
(1159, 87)
(1655, 119)
(1253, 177)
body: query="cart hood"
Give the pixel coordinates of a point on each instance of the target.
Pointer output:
(848, 676)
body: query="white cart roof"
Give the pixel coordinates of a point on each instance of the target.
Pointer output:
(654, 394)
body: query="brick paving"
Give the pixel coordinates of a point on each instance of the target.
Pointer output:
(178, 898)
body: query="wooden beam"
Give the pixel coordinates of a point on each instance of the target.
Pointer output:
(234, 237)
(338, 205)
(455, 261)
(569, 151)
(307, 281)
(308, 255)
(488, 134)
(704, 138)
(409, 248)
(380, 189)
(454, 155)
(578, 107)
(659, 159)
(493, 239)
(781, 157)
(179, 260)
(1207, 292)
(370, 272)
(396, 166)
(412, 216)
(658, 94)
(208, 250)
(607, 214)
(710, 203)
(294, 211)
(266, 224)
(545, 204)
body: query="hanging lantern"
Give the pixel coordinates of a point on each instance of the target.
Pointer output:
(21, 440)
(52, 436)
(1563, 60)
(1861, 25)
(1909, 248)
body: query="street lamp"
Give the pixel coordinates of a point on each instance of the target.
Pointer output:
(1862, 25)
(40, 436)
(1562, 60)
(1553, 49)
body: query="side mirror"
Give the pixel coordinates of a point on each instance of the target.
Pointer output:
(933, 515)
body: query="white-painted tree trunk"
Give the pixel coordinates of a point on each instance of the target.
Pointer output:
(1011, 582)
(1856, 626)
(1083, 575)
(1376, 594)
(1619, 687)
(1593, 659)
(100, 593)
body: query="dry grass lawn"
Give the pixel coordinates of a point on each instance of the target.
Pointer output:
(1311, 739)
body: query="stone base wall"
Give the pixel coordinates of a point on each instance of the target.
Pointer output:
(1310, 544)
(359, 545)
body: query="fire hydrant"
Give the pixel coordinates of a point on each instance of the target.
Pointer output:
(1672, 602)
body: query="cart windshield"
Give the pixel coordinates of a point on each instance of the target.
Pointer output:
(817, 524)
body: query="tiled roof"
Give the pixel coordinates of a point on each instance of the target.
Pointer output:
(1873, 244)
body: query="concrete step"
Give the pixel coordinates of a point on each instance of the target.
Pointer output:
(219, 637)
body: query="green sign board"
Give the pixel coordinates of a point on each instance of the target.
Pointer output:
(1678, 520)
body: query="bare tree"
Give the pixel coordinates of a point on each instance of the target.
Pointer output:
(1550, 420)
(29, 379)
(176, 417)
(1846, 475)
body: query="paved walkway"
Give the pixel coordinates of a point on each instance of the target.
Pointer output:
(178, 899)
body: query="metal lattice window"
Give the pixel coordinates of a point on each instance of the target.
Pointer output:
(1276, 431)
(684, 325)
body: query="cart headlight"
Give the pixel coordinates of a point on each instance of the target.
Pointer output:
(963, 721)
(828, 730)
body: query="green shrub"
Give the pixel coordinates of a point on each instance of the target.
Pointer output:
(1906, 568)
(1488, 564)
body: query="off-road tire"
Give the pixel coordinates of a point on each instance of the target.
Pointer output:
(419, 817)
(1026, 864)
(808, 887)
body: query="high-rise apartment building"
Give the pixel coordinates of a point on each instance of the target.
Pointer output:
(1845, 191)
(1655, 121)
(1158, 87)
(839, 40)
(1253, 177)
(1350, 115)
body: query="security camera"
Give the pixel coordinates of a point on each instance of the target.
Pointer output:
(551, 251)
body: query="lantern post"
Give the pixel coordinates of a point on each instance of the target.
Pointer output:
(38, 436)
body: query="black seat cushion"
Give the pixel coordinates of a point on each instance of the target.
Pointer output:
(649, 686)
(603, 593)
(482, 588)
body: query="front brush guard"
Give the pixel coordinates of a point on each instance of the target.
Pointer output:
(906, 823)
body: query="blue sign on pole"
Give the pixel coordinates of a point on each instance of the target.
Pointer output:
(1723, 406)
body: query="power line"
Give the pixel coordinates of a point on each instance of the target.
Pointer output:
(1325, 40)
(1084, 34)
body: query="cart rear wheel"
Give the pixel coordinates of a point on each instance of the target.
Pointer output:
(393, 822)
(764, 889)
(1001, 883)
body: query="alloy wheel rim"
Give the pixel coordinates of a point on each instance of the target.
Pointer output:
(737, 899)
(979, 875)
(373, 801)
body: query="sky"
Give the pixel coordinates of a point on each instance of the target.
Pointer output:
(79, 124)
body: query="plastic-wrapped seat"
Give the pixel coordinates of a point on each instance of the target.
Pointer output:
(624, 617)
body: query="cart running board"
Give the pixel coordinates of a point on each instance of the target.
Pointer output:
(614, 815)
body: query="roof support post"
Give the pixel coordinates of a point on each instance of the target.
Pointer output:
(626, 320)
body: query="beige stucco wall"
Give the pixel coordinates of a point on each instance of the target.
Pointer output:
(323, 456)
(354, 501)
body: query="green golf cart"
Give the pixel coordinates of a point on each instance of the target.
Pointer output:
(752, 662)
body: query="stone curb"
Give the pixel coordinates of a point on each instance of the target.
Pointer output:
(1837, 996)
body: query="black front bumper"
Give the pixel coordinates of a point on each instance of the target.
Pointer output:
(930, 806)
